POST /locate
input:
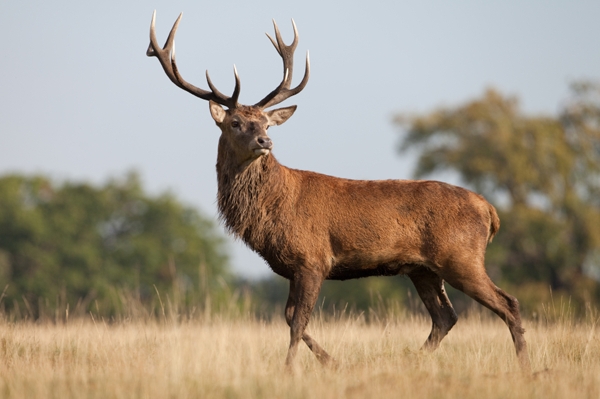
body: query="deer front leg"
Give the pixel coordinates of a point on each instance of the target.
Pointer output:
(322, 356)
(304, 291)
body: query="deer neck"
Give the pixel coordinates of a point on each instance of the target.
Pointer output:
(250, 194)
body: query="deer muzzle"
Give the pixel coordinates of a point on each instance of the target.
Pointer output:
(264, 146)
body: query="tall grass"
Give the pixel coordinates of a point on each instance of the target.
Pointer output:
(235, 355)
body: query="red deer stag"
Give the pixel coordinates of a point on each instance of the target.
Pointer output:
(311, 227)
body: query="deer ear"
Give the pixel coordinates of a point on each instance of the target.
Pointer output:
(216, 111)
(280, 115)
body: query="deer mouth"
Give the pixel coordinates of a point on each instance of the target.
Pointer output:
(261, 151)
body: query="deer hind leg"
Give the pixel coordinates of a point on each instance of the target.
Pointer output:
(430, 288)
(477, 285)
(301, 301)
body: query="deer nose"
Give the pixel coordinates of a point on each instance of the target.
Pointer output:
(265, 142)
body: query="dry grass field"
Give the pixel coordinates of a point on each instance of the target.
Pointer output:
(243, 358)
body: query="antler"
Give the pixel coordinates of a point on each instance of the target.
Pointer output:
(166, 56)
(283, 91)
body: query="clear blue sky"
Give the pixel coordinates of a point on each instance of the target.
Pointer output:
(80, 100)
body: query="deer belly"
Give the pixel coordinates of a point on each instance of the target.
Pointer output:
(350, 270)
(365, 263)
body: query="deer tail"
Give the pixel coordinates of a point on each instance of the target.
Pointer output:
(495, 223)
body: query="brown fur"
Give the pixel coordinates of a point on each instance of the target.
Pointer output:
(310, 227)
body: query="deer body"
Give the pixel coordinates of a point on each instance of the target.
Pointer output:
(350, 228)
(310, 227)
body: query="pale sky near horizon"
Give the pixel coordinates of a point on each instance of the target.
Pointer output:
(80, 100)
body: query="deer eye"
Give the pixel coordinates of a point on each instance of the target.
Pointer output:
(235, 124)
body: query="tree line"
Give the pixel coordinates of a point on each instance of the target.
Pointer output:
(100, 248)
(85, 247)
(542, 173)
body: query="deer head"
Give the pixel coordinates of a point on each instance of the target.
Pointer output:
(243, 128)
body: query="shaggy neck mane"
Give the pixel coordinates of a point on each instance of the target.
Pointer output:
(248, 196)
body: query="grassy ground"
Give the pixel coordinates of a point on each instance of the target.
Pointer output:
(239, 358)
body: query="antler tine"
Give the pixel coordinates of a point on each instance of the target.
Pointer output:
(283, 92)
(164, 54)
(273, 40)
(166, 57)
(236, 90)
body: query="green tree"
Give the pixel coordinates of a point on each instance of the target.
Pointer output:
(75, 243)
(542, 173)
